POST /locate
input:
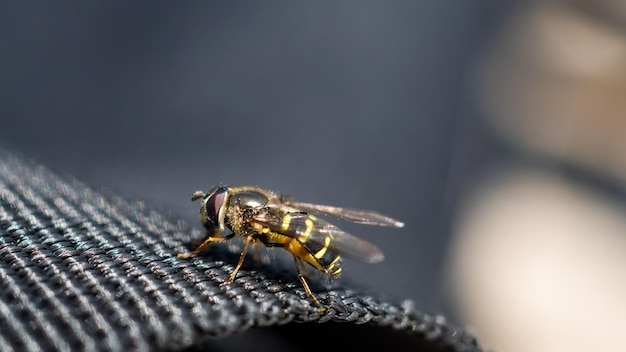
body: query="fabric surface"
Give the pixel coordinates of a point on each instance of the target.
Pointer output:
(87, 270)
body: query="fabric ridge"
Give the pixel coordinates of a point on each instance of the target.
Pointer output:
(82, 269)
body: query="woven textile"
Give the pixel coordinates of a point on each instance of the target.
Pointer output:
(86, 270)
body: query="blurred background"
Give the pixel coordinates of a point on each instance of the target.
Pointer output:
(494, 130)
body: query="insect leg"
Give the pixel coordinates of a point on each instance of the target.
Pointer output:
(240, 263)
(305, 284)
(201, 247)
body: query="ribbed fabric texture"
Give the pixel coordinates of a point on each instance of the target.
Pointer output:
(85, 270)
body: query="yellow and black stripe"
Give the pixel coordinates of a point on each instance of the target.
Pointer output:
(301, 238)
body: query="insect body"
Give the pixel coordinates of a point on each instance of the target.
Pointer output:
(263, 216)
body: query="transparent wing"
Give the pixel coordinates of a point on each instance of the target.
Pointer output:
(310, 229)
(359, 216)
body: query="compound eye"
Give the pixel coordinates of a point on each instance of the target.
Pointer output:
(214, 205)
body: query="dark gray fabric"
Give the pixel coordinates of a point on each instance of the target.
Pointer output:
(86, 270)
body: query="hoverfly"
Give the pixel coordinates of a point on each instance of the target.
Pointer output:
(263, 216)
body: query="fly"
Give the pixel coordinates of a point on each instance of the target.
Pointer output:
(263, 216)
